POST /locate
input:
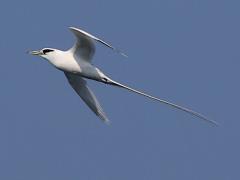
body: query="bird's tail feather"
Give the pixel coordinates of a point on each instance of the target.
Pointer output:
(114, 83)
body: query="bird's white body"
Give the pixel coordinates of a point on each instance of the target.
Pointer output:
(76, 65)
(65, 61)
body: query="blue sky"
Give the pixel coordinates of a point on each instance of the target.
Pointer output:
(185, 51)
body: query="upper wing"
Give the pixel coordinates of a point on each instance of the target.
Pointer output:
(84, 48)
(81, 88)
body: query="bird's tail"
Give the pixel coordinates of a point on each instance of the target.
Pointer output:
(114, 83)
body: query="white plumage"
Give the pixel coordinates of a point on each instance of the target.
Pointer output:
(76, 64)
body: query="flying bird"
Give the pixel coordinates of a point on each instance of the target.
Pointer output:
(77, 67)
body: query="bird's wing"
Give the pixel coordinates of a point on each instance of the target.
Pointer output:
(84, 47)
(81, 88)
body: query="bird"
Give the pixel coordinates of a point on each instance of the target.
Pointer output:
(76, 63)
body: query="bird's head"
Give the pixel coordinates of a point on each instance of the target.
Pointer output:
(46, 53)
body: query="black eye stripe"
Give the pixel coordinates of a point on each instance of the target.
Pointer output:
(47, 51)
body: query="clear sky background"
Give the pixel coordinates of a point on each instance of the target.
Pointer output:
(185, 51)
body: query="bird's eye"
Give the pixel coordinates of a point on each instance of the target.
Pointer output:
(45, 51)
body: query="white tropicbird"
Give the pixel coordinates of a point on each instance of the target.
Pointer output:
(76, 65)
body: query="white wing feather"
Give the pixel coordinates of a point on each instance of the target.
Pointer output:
(84, 48)
(81, 88)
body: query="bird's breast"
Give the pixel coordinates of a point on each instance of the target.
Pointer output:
(70, 66)
(67, 63)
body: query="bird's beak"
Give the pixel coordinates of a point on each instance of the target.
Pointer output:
(36, 53)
